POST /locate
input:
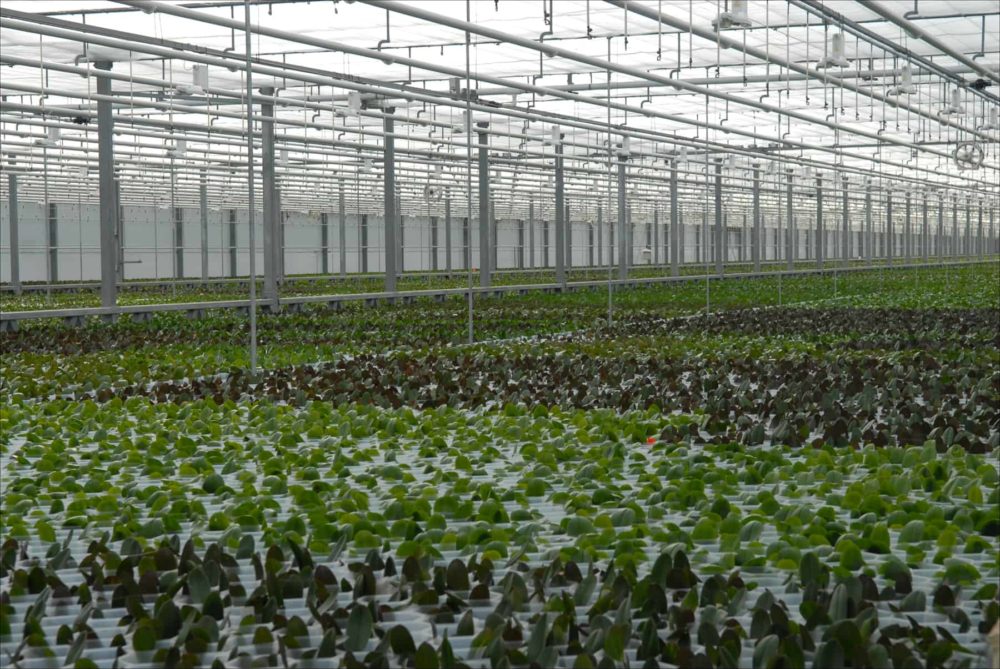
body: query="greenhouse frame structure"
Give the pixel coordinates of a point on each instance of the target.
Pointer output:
(561, 144)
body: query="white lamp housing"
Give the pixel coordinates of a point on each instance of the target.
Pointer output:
(178, 150)
(956, 103)
(736, 17)
(51, 139)
(905, 86)
(994, 122)
(836, 57)
(624, 150)
(555, 138)
(354, 102)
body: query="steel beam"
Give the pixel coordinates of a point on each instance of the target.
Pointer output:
(271, 239)
(106, 170)
(15, 248)
(390, 244)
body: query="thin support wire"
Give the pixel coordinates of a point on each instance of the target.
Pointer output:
(250, 194)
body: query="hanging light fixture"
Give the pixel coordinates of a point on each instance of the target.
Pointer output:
(905, 86)
(956, 103)
(354, 102)
(199, 82)
(736, 17)
(51, 139)
(178, 150)
(836, 57)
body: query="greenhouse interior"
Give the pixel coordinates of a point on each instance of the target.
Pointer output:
(500, 334)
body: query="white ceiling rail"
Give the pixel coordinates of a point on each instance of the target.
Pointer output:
(547, 49)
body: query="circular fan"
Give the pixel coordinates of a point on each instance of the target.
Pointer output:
(969, 155)
(432, 193)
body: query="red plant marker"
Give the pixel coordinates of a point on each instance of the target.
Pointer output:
(650, 440)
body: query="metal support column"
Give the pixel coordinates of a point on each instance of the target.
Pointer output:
(233, 249)
(979, 235)
(622, 233)
(106, 169)
(845, 222)
(908, 229)
(119, 234)
(953, 245)
(675, 227)
(791, 243)
(279, 251)
(869, 239)
(342, 232)
(400, 236)
(435, 223)
(717, 237)
(15, 253)
(52, 240)
(820, 226)
(447, 232)
(203, 212)
(967, 245)
(925, 231)
(939, 243)
(889, 231)
(560, 217)
(271, 237)
(324, 243)
(755, 233)
(656, 235)
(600, 235)
(484, 205)
(389, 200)
(178, 243)
(531, 233)
(568, 228)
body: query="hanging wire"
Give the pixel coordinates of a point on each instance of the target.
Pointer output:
(468, 169)
(250, 192)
